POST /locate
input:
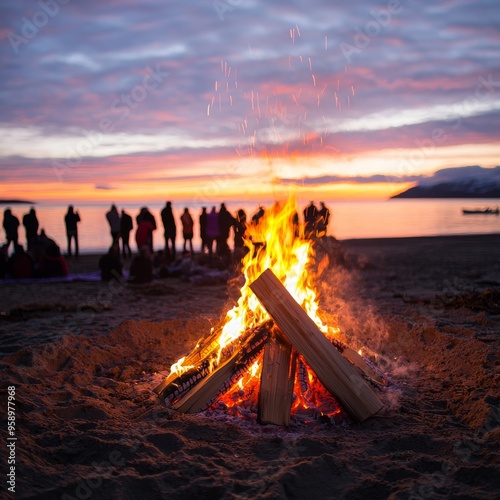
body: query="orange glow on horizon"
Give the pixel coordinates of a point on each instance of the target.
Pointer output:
(154, 191)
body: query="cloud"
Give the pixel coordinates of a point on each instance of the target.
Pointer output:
(444, 175)
(268, 77)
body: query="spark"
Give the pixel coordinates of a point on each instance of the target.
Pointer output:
(314, 80)
(297, 27)
(326, 42)
(310, 64)
(352, 89)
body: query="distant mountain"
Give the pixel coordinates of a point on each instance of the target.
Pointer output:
(462, 182)
(16, 202)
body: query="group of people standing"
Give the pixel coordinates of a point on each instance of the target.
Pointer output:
(316, 220)
(214, 226)
(42, 258)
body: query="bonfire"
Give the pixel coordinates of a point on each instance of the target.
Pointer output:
(273, 357)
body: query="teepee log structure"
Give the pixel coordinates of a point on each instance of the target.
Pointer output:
(332, 369)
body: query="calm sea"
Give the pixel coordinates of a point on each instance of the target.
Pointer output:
(366, 219)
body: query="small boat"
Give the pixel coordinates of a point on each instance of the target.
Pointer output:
(485, 211)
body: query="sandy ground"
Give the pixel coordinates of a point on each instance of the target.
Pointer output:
(84, 358)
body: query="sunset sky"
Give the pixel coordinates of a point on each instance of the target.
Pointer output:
(243, 99)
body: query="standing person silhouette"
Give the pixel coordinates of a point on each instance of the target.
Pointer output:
(212, 229)
(310, 217)
(146, 216)
(126, 225)
(71, 219)
(10, 224)
(258, 215)
(203, 229)
(323, 219)
(168, 220)
(187, 229)
(30, 223)
(226, 221)
(113, 218)
(239, 228)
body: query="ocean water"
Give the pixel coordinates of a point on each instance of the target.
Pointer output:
(356, 219)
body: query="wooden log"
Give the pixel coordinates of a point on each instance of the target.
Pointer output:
(360, 363)
(276, 382)
(336, 373)
(205, 393)
(203, 359)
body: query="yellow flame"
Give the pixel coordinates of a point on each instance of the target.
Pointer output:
(274, 243)
(178, 369)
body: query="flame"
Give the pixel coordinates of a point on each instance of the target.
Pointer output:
(274, 244)
(178, 368)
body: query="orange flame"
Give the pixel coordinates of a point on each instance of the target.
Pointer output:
(274, 244)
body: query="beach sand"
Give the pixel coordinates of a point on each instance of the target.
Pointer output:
(84, 358)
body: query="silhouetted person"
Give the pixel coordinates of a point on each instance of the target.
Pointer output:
(226, 221)
(30, 223)
(71, 220)
(258, 215)
(239, 229)
(53, 263)
(144, 234)
(126, 225)
(141, 267)
(10, 224)
(21, 263)
(114, 222)
(146, 215)
(203, 229)
(110, 264)
(295, 223)
(40, 243)
(323, 219)
(168, 220)
(212, 229)
(310, 216)
(187, 229)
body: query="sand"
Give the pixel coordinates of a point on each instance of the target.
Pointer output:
(84, 358)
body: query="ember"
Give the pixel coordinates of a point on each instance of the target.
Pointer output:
(268, 369)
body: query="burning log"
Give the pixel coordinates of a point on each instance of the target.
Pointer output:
(335, 372)
(276, 382)
(360, 363)
(208, 389)
(202, 360)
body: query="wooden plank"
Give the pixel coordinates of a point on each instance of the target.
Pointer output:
(204, 393)
(202, 357)
(276, 382)
(336, 373)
